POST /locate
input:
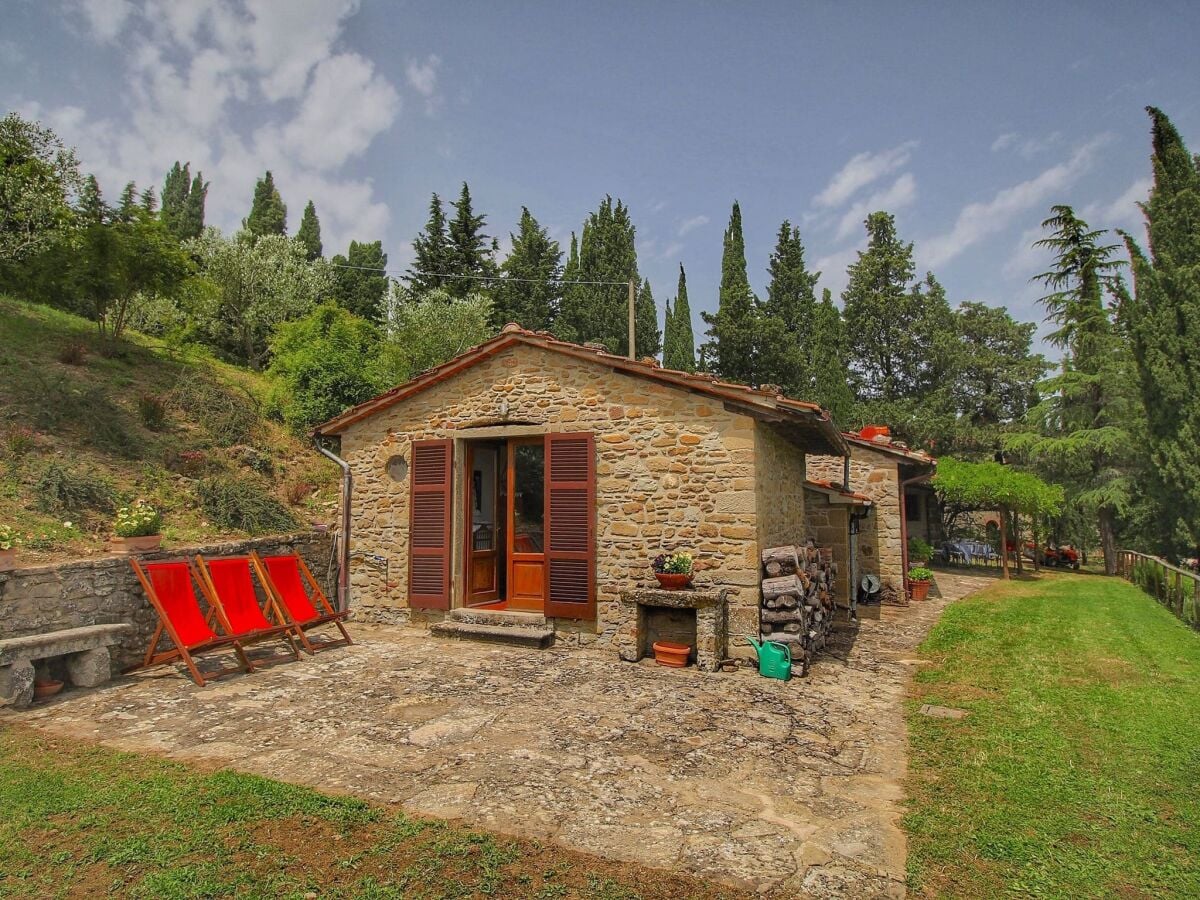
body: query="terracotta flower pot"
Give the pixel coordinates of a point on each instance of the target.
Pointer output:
(670, 654)
(919, 589)
(46, 688)
(8, 560)
(673, 581)
(143, 544)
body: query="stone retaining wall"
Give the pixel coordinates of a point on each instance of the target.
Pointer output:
(105, 591)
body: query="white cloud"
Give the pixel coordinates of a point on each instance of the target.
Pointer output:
(691, 224)
(106, 17)
(671, 251)
(1123, 212)
(901, 193)
(860, 171)
(1027, 260)
(833, 269)
(287, 40)
(978, 220)
(1030, 147)
(422, 77)
(1004, 141)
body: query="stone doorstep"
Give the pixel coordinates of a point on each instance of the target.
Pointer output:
(522, 636)
(60, 643)
(504, 617)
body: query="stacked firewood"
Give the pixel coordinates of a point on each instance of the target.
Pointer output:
(798, 597)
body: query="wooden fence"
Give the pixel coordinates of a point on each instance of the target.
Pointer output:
(1175, 588)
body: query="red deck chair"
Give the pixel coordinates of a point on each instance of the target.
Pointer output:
(285, 578)
(169, 588)
(228, 585)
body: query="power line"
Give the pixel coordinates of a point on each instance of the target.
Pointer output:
(472, 277)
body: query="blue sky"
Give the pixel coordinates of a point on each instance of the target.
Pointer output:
(967, 120)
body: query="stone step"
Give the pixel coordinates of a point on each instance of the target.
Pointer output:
(503, 617)
(519, 635)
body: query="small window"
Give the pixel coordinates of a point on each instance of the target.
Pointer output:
(397, 468)
(912, 507)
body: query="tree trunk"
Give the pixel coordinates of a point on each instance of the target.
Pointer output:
(1017, 542)
(1004, 540)
(1108, 540)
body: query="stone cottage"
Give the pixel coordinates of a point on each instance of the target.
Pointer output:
(896, 480)
(534, 480)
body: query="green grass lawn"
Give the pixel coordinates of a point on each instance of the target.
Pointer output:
(1077, 771)
(80, 820)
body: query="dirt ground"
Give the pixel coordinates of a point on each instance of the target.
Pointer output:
(789, 788)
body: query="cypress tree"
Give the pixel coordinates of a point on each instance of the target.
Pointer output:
(831, 362)
(733, 327)
(668, 333)
(679, 344)
(148, 201)
(433, 256)
(175, 191)
(128, 202)
(535, 259)
(192, 225)
(787, 343)
(647, 337)
(607, 253)
(1163, 319)
(469, 248)
(309, 233)
(268, 214)
(361, 281)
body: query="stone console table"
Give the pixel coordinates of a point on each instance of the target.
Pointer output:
(712, 630)
(86, 651)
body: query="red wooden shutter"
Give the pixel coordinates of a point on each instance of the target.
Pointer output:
(571, 526)
(429, 525)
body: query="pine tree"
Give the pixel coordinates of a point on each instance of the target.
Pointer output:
(309, 233)
(528, 291)
(433, 255)
(607, 253)
(91, 206)
(192, 224)
(1163, 319)
(647, 337)
(469, 248)
(174, 198)
(361, 279)
(679, 345)
(733, 327)
(128, 202)
(148, 201)
(268, 214)
(786, 340)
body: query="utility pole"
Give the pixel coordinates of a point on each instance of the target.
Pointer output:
(632, 301)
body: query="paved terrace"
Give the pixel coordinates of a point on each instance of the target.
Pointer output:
(792, 788)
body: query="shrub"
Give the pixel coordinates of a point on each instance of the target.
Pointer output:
(152, 411)
(243, 504)
(18, 441)
(252, 458)
(920, 573)
(297, 492)
(8, 537)
(673, 563)
(229, 415)
(139, 520)
(919, 549)
(61, 490)
(73, 354)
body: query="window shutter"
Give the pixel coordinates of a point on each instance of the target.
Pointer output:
(429, 525)
(571, 526)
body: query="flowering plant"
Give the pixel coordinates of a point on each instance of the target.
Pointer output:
(8, 537)
(673, 563)
(139, 520)
(919, 573)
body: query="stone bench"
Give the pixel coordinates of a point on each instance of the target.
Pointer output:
(86, 650)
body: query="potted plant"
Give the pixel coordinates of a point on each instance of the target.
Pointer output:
(138, 528)
(673, 570)
(920, 552)
(919, 579)
(8, 548)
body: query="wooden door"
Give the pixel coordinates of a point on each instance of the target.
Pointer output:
(429, 525)
(526, 524)
(571, 526)
(483, 523)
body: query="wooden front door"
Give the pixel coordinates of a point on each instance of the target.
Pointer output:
(484, 522)
(526, 524)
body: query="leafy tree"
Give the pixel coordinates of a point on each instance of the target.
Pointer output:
(733, 328)
(259, 284)
(176, 187)
(427, 330)
(1163, 318)
(607, 253)
(647, 337)
(193, 218)
(471, 251)
(268, 214)
(37, 175)
(309, 233)
(433, 253)
(528, 292)
(787, 340)
(1085, 427)
(361, 280)
(323, 363)
(679, 344)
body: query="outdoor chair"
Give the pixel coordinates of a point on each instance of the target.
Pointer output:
(228, 584)
(285, 580)
(169, 587)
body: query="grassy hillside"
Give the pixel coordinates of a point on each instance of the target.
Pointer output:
(88, 424)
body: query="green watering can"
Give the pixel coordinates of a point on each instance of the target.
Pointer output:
(774, 660)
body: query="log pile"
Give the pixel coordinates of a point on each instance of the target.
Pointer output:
(890, 596)
(798, 598)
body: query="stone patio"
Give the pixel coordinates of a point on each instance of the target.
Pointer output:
(789, 788)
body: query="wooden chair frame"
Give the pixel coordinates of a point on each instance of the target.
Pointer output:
(330, 615)
(182, 651)
(283, 628)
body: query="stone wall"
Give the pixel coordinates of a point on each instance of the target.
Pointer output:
(779, 485)
(674, 470)
(105, 590)
(829, 525)
(880, 550)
